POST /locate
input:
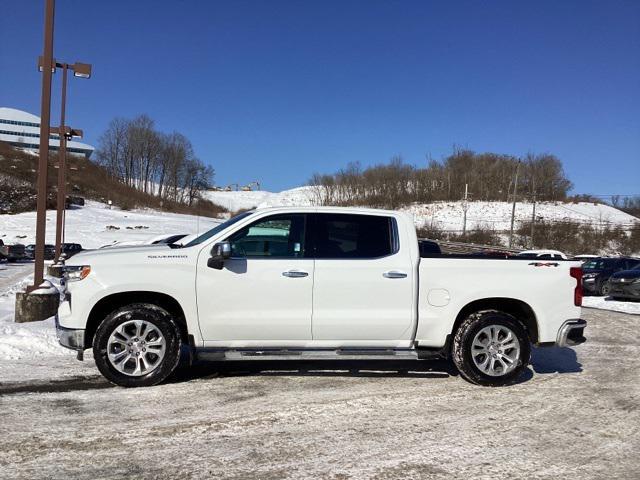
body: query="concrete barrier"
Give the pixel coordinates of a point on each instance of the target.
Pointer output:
(37, 305)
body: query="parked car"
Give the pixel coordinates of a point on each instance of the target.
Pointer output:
(70, 249)
(49, 252)
(12, 253)
(30, 251)
(596, 272)
(313, 283)
(625, 284)
(543, 254)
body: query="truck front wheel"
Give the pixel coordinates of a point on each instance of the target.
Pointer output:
(491, 348)
(137, 345)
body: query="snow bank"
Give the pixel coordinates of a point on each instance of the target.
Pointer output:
(606, 303)
(25, 340)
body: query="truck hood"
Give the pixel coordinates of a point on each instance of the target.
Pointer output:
(119, 254)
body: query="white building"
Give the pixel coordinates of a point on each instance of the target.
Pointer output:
(22, 130)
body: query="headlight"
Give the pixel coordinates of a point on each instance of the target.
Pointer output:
(589, 275)
(76, 273)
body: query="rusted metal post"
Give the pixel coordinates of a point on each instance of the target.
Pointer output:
(62, 166)
(43, 162)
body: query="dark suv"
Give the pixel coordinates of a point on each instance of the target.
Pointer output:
(70, 249)
(597, 271)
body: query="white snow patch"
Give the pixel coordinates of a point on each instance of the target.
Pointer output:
(607, 303)
(25, 340)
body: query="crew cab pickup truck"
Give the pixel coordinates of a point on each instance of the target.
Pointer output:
(314, 283)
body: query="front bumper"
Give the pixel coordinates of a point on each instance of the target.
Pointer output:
(72, 338)
(571, 333)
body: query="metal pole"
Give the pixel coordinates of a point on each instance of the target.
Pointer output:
(62, 167)
(533, 219)
(513, 209)
(464, 209)
(43, 162)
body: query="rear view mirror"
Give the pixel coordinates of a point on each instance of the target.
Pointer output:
(219, 253)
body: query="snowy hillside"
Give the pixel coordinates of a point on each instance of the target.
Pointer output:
(444, 215)
(233, 201)
(95, 225)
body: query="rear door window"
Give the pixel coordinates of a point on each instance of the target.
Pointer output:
(353, 236)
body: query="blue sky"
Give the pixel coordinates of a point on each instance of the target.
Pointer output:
(276, 90)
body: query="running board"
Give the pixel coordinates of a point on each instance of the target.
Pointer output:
(217, 354)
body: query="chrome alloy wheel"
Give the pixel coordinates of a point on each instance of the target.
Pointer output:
(495, 350)
(136, 348)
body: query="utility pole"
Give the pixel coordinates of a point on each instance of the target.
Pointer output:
(43, 162)
(465, 207)
(533, 214)
(513, 208)
(81, 70)
(62, 166)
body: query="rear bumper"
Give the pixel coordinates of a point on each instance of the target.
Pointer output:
(571, 333)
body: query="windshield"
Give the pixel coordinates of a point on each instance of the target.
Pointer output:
(215, 230)
(599, 264)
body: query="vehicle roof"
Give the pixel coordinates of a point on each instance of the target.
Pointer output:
(330, 209)
(558, 252)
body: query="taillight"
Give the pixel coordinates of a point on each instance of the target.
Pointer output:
(576, 272)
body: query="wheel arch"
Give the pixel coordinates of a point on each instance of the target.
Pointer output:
(112, 302)
(522, 311)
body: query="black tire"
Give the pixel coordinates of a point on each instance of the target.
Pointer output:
(462, 348)
(604, 289)
(152, 314)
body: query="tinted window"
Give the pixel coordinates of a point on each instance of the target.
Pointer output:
(353, 236)
(275, 236)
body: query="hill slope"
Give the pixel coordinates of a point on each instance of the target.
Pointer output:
(445, 215)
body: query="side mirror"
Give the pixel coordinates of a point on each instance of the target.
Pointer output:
(219, 253)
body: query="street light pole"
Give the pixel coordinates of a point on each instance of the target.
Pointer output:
(62, 166)
(513, 209)
(43, 162)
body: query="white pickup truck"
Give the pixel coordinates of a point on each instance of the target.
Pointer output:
(314, 283)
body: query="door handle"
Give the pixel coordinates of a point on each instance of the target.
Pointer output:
(295, 274)
(394, 274)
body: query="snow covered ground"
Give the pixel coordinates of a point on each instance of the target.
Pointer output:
(444, 215)
(95, 225)
(575, 415)
(607, 303)
(22, 340)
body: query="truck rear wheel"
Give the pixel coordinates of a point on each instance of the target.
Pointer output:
(491, 348)
(137, 345)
